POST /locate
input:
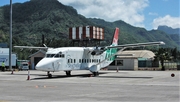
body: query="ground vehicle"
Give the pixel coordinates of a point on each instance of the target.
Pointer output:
(24, 66)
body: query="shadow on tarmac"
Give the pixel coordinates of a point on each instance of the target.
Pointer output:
(89, 75)
(124, 77)
(65, 76)
(82, 76)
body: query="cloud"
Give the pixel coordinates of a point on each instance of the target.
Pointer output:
(153, 14)
(130, 11)
(167, 20)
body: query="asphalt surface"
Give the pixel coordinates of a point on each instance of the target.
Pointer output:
(110, 86)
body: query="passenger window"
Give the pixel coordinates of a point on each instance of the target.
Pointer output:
(71, 61)
(92, 60)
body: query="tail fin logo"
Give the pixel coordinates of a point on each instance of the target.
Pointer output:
(115, 38)
(112, 51)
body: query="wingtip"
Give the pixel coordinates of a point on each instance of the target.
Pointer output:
(162, 43)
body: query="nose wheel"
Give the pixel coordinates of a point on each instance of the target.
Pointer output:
(49, 74)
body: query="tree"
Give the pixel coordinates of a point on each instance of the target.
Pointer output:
(163, 54)
(174, 53)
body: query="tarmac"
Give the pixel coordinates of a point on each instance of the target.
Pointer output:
(109, 86)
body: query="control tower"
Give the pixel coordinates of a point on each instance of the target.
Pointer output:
(86, 35)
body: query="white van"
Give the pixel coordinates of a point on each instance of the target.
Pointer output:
(24, 66)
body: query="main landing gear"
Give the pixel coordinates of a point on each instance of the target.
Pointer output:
(95, 74)
(68, 73)
(49, 74)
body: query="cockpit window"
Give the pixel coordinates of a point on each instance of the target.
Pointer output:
(49, 55)
(62, 55)
(58, 55)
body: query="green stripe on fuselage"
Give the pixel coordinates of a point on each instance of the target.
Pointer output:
(110, 52)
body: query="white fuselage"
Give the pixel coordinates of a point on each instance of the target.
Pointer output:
(71, 58)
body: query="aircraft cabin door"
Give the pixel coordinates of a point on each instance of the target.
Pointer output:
(56, 65)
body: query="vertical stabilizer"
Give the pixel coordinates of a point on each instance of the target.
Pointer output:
(112, 51)
(115, 38)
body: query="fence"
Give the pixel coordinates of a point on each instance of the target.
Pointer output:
(149, 64)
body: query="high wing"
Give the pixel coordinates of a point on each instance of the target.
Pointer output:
(123, 47)
(137, 45)
(30, 47)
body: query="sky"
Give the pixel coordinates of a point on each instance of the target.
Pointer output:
(148, 14)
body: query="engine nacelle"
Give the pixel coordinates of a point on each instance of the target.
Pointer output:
(97, 51)
(93, 53)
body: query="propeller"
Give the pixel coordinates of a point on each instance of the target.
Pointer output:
(98, 51)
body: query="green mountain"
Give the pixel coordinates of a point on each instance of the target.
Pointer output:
(35, 18)
(169, 30)
(131, 34)
(52, 19)
(174, 33)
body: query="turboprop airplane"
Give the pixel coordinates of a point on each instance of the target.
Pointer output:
(82, 58)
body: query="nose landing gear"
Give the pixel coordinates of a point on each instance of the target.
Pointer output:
(49, 74)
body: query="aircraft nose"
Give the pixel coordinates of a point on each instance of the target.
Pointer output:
(45, 64)
(40, 65)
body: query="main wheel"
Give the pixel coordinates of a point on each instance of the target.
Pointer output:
(68, 73)
(95, 74)
(49, 75)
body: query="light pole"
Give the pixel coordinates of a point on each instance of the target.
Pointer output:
(10, 38)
